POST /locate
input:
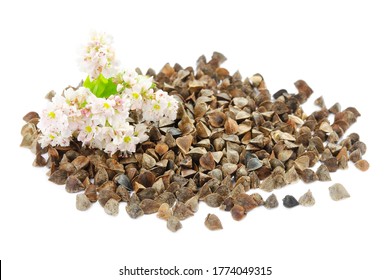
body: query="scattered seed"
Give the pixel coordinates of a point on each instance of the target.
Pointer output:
(164, 212)
(149, 206)
(229, 137)
(134, 210)
(112, 207)
(271, 202)
(289, 201)
(362, 165)
(212, 222)
(323, 173)
(174, 224)
(82, 202)
(213, 200)
(238, 212)
(181, 211)
(307, 199)
(338, 192)
(246, 201)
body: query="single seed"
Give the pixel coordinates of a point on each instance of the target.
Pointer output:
(289, 201)
(212, 222)
(338, 192)
(307, 199)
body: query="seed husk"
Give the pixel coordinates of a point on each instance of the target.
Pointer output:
(213, 200)
(59, 177)
(338, 192)
(164, 212)
(271, 202)
(149, 206)
(82, 202)
(207, 161)
(355, 156)
(112, 207)
(308, 176)
(246, 201)
(289, 201)
(307, 199)
(181, 211)
(362, 165)
(134, 210)
(212, 222)
(174, 224)
(73, 185)
(238, 212)
(258, 199)
(323, 173)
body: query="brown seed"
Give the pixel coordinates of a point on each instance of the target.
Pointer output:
(166, 197)
(181, 211)
(101, 176)
(184, 143)
(355, 156)
(323, 173)
(59, 177)
(271, 202)
(231, 126)
(134, 210)
(338, 192)
(148, 161)
(74, 185)
(302, 162)
(149, 206)
(238, 212)
(146, 179)
(80, 162)
(82, 202)
(106, 195)
(308, 176)
(212, 222)
(183, 194)
(174, 224)
(161, 148)
(362, 165)
(164, 212)
(207, 161)
(91, 193)
(193, 204)
(109, 185)
(258, 199)
(246, 201)
(148, 193)
(307, 199)
(213, 200)
(331, 164)
(291, 176)
(111, 207)
(359, 145)
(217, 119)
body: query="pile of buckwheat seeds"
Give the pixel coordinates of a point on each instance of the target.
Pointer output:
(231, 135)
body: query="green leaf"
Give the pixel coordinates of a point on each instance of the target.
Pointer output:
(101, 86)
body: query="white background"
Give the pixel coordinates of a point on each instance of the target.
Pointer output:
(340, 48)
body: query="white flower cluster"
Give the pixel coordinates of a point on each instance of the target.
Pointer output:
(98, 56)
(139, 90)
(103, 122)
(97, 122)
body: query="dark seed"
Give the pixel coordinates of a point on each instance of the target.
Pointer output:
(289, 201)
